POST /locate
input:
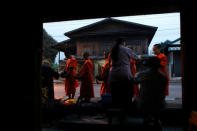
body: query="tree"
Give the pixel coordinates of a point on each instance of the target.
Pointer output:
(48, 51)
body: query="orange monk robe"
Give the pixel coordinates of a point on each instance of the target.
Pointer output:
(70, 82)
(133, 72)
(105, 88)
(163, 63)
(110, 61)
(86, 89)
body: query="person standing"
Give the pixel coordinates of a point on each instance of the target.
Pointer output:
(105, 88)
(120, 76)
(70, 82)
(47, 75)
(85, 75)
(163, 62)
(47, 92)
(152, 91)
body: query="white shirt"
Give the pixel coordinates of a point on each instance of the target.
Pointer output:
(121, 68)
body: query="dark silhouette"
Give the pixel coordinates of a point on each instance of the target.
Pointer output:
(152, 91)
(47, 75)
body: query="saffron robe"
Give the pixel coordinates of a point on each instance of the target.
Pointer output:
(163, 63)
(133, 72)
(105, 88)
(86, 89)
(70, 82)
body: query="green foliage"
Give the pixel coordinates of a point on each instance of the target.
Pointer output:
(48, 51)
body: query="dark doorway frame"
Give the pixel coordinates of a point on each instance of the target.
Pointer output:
(169, 6)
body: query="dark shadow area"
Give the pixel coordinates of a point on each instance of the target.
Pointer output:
(31, 44)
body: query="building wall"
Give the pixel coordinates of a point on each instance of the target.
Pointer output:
(174, 64)
(96, 48)
(86, 46)
(177, 64)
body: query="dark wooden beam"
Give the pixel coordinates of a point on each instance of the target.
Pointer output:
(110, 10)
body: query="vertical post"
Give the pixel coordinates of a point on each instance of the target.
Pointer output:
(170, 64)
(59, 62)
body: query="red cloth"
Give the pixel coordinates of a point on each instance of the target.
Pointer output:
(71, 83)
(163, 63)
(133, 72)
(86, 89)
(105, 88)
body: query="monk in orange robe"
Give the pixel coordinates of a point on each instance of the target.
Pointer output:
(163, 62)
(133, 72)
(70, 82)
(86, 89)
(105, 88)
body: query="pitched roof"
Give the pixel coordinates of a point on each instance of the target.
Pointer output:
(62, 45)
(112, 20)
(138, 29)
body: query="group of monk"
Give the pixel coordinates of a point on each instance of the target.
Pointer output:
(85, 75)
(86, 78)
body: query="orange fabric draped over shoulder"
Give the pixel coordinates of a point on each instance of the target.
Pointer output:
(105, 88)
(70, 82)
(163, 63)
(86, 89)
(133, 72)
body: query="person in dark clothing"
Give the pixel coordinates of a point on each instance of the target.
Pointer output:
(152, 91)
(47, 90)
(47, 75)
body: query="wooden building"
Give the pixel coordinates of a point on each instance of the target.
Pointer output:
(99, 36)
(96, 37)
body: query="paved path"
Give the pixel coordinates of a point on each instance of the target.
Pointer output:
(175, 90)
(60, 91)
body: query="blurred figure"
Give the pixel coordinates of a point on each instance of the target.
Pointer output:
(85, 75)
(47, 75)
(152, 91)
(47, 92)
(163, 63)
(120, 76)
(133, 72)
(105, 88)
(70, 82)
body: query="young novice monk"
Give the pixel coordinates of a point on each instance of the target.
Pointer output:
(163, 63)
